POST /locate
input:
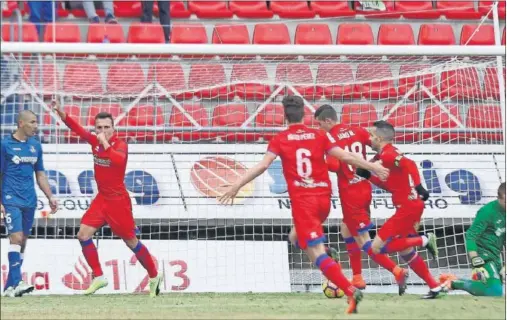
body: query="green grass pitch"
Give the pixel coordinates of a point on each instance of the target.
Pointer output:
(249, 306)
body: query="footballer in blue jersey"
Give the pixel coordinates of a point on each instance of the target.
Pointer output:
(20, 160)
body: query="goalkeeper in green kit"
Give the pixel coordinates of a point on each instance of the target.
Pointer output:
(485, 240)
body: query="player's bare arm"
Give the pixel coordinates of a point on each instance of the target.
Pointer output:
(357, 161)
(43, 183)
(228, 196)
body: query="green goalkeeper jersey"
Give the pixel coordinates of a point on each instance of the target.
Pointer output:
(486, 235)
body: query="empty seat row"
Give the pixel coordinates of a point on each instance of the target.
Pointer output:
(234, 115)
(276, 33)
(295, 9)
(251, 81)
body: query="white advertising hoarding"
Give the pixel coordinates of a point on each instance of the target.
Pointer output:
(187, 266)
(182, 181)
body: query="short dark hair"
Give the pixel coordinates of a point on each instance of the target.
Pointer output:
(384, 130)
(294, 108)
(326, 111)
(501, 189)
(104, 115)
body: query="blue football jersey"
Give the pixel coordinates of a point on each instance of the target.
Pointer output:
(19, 161)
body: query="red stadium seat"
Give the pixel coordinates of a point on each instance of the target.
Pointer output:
(405, 116)
(313, 33)
(82, 78)
(295, 74)
(63, 32)
(292, 9)
(28, 32)
(381, 89)
(125, 79)
(180, 119)
(171, 77)
(329, 9)
(491, 86)
(204, 76)
(485, 117)
(416, 9)
(140, 32)
(114, 109)
(210, 9)
(309, 119)
(436, 34)
(439, 122)
(458, 9)
(413, 75)
(484, 36)
(188, 33)
(177, 9)
(98, 33)
(275, 33)
(143, 115)
(127, 9)
(231, 34)
(73, 111)
(459, 84)
(485, 7)
(335, 81)
(390, 12)
(251, 9)
(8, 7)
(362, 115)
(50, 77)
(395, 34)
(246, 74)
(271, 116)
(232, 115)
(354, 34)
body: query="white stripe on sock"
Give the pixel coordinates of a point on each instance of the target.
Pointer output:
(14, 248)
(22, 255)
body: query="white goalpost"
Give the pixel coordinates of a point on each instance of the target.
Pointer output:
(198, 116)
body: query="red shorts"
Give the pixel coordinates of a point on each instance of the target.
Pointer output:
(309, 212)
(117, 213)
(402, 223)
(355, 201)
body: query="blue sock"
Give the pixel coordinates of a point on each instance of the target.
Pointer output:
(14, 256)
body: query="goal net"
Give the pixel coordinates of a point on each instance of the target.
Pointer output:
(197, 117)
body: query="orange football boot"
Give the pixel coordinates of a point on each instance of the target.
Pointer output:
(358, 281)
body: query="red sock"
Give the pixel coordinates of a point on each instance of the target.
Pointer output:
(417, 264)
(382, 260)
(333, 272)
(354, 255)
(144, 257)
(401, 244)
(92, 257)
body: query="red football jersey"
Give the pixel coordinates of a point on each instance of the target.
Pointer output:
(402, 179)
(109, 165)
(352, 139)
(302, 151)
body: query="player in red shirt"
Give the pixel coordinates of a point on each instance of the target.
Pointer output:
(355, 196)
(399, 233)
(302, 151)
(112, 204)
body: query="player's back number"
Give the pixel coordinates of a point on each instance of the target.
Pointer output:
(357, 148)
(303, 162)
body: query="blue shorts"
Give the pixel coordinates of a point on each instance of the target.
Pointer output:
(19, 219)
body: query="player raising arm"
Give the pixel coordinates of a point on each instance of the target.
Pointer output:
(112, 205)
(302, 152)
(399, 234)
(21, 157)
(485, 240)
(355, 198)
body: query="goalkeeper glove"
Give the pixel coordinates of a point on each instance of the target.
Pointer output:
(423, 193)
(478, 270)
(363, 173)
